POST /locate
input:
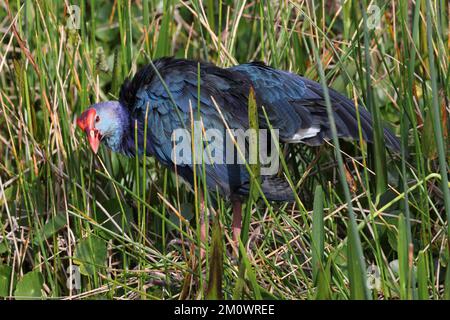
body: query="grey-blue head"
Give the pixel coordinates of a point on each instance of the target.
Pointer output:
(107, 122)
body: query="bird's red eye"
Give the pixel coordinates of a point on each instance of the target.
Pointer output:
(97, 119)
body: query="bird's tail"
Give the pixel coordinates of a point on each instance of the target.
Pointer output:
(274, 189)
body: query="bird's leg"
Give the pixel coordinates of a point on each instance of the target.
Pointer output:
(202, 226)
(237, 224)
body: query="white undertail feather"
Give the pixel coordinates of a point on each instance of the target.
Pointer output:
(304, 134)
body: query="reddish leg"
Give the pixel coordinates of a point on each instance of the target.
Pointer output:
(202, 226)
(237, 224)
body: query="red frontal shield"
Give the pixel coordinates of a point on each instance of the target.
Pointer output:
(86, 122)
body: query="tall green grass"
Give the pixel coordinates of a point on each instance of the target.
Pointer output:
(130, 226)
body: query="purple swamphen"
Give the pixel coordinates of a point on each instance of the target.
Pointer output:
(294, 105)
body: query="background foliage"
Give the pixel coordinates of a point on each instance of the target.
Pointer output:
(130, 227)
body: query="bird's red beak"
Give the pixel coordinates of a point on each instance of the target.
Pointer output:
(86, 123)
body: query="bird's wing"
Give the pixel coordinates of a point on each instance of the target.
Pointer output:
(189, 94)
(297, 107)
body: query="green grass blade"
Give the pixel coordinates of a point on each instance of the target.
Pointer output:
(214, 291)
(357, 274)
(422, 277)
(317, 244)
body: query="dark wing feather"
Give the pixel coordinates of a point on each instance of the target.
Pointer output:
(229, 90)
(296, 106)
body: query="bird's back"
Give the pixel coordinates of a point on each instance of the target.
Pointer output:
(191, 91)
(195, 93)
(296, 105)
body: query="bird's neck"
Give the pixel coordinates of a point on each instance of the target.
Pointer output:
(128, 138)
(130, 142)
(122, 139)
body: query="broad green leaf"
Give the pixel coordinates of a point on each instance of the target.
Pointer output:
(428, 140)
(116, 78)
(5, 280)
(187, 212)
(342, 80)
(52, 226)
(317, 247)
(437, 126)
(162, 47)
(357, 280)
(253, 144)
(266, 295)
(323, 291)
(321, 273)
(355, 254)
(254, 167)
(30, 286)
(90, 254)
(402, 250)
(107, 34)
(392, 237)
(245, 269)
(245, 265)
(379, 145)
(422, 277)
(4, 247)
(214, 291)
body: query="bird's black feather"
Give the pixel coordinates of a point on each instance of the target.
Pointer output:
(294, 105)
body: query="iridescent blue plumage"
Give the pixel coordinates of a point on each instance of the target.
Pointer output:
(294, 105)
(229, 91)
